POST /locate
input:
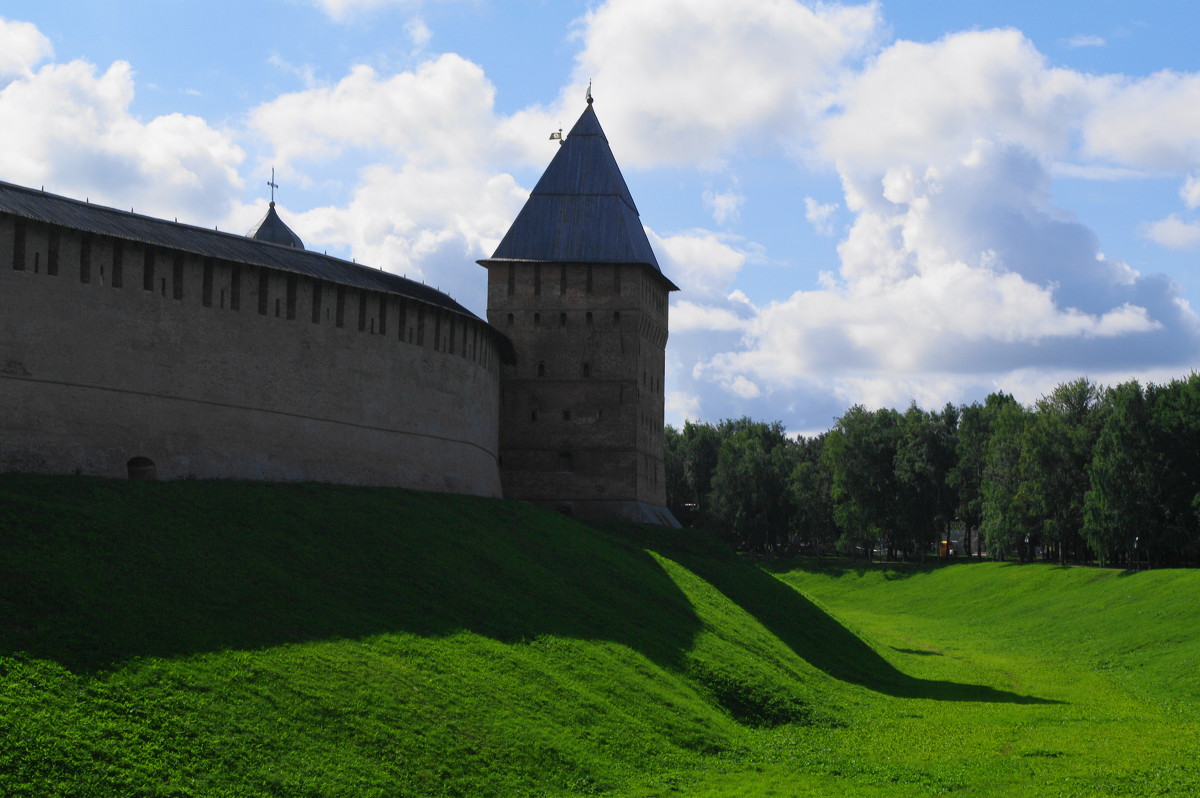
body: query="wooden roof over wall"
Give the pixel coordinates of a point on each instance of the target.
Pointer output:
(39, 206)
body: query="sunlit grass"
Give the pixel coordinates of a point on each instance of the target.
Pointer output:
(226, 639)
(1116, 653)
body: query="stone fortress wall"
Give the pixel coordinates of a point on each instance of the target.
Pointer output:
(133, 346)
(118, 355)
(582, 423)
(576, 287)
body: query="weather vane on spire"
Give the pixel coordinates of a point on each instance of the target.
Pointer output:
(273, 185)
(558, 135)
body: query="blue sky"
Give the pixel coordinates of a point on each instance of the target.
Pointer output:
(863, 203)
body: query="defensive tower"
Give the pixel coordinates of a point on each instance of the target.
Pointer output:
(577, 289)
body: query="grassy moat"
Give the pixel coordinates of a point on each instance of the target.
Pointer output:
(234, 639)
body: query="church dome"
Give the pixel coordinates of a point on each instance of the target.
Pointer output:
(272, 229)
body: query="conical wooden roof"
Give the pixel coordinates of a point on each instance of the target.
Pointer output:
(580, 211)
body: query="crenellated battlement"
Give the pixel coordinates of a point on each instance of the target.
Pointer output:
(116, 349)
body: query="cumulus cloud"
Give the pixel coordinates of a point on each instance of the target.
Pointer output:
(819, 215)
(958, 268)
(925, 104)
(725, 71)
(955, 271)
(22, 46)
(1173, 233)
(959, 273)
(687, 315)
(681, 406)
(725, 206)
(430, 224)
(700, 262)
(439, 112)
(740, 386)
(69, 127)
(432, 201)
(1147, 123)
(1190, 192)
(418, 32)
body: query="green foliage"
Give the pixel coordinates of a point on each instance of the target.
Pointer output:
(690, 457)
(810, 488)
(748, 496)
(860, 454)
(733, 478)
(1121, 507)
(1080, 475)
(924, 459)
(1145, 474)
(965, 477)
(1058, 448)
(1007, 519)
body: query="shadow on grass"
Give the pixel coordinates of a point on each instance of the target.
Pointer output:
(94, 572)
(810, 631)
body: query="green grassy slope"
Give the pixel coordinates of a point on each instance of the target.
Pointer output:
(1114, 656)
(208, 638)
(212, 638)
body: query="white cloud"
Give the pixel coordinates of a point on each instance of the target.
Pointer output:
(418, 32)
(681, 406)
(341, 10)
(70, 129)
(1173, 233)
(930, 391)
(1190, 191)
(1086, 40)
(926, 103)
(428, 223)
(441, 112)
(957, 267)
(700, 262)
(430, 201)
(820, 216)
(725, 206)
(22, 46)
(740, 386)
(687, 316)
(304, 72)
(1094, 171)
(1147, 123)
(723, 71)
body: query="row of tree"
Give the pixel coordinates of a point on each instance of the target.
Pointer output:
(1085, 474)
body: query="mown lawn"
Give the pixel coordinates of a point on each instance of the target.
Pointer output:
(233, 639)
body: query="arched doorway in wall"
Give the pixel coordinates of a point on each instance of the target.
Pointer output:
(142, 468)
